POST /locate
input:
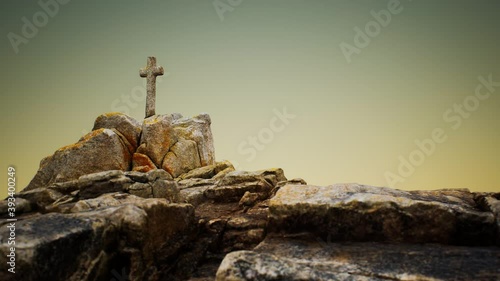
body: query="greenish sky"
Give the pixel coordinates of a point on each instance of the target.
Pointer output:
(356, 118)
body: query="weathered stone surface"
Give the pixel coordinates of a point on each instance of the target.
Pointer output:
(189, 183)
(244, 230)
(223, 173)
(235, 229)
(157, 137)
(22, 206)
(194, 196)
(198, 129)
(233, 193)
(60, 205)
(234, 185)
(177, 144)
(249, 199)
(142, 163)
(166, 189)
(193, 190)
(126, 125)
(158, 174)
(297, 181)
(208, 172)
(137, 176)
(94, 189)
(294, 260)
(105, 200)
(235, 240)
(182, 158)
(493, 205)
(40, 197)
(352, 212)
(272, 176)
(65, 187)
(143, 190)
(246, 221)
(100, 150)
(140, 238)
(89, 179)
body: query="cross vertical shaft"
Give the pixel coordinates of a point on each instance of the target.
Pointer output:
(150, 72)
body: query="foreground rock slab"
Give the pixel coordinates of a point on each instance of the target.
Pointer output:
(353, 212)
(139, 240)
(315, 260)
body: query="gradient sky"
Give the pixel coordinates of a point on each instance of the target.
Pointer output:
(352, 121)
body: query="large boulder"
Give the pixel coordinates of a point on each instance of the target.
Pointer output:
(99, 150)
(127, 126)
(182, 157)
(177, 144)
(315, 260)
(353, 212)
(157, 137)
(198, 130)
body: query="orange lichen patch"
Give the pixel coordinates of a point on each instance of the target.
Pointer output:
(142, 161)
(71, 146)
(109, 114)
(82, 140)
(106, 115)
(125, 142)
(142, 169)
(152, 120)
(92, 134)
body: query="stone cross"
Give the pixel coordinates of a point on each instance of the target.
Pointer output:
(150, 72)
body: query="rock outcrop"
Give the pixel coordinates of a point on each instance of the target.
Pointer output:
(119, 142)
(140, 226)
(148, 201)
